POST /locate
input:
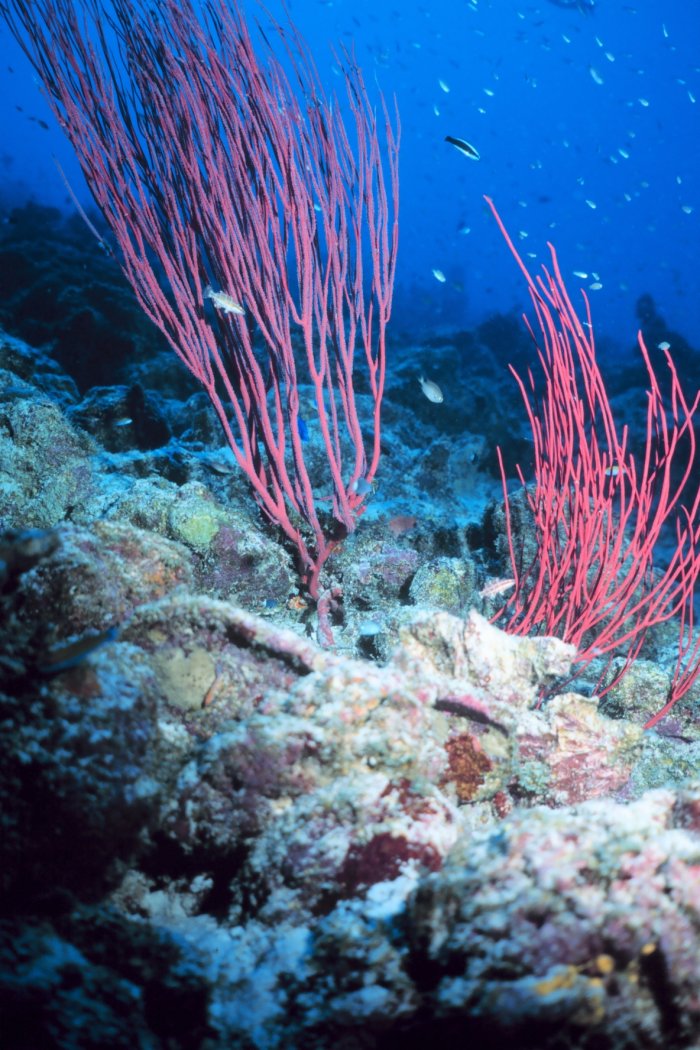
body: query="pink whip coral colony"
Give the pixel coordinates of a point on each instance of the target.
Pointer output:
(224, 177)
(598, 509)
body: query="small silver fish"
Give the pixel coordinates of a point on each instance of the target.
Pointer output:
(497, 585)
(464, 147)
(361, 486)
(223, 301)
(431, 390)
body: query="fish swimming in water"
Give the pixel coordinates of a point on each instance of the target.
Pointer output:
(431, 390)
(584, 6)
(497, 585)
(362, 487)
(464, 147)
(223, 301)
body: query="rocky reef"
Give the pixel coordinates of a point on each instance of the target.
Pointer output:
(218, 833)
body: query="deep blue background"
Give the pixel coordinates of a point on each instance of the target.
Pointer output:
(551, 138)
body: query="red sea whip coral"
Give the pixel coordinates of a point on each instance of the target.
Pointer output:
(216, 169)
(598, 508)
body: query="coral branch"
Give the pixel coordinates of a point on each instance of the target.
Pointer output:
(597, 509)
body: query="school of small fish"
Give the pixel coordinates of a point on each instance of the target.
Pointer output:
(602, 65)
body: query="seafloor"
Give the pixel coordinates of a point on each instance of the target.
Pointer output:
(216, 832)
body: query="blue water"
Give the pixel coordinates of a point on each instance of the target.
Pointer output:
(587, 127)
